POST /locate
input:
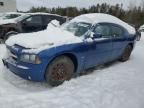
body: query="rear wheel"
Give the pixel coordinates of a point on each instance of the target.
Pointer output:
(59, 70)
(126, 54)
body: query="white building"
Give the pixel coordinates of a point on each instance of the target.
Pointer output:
(7, 5)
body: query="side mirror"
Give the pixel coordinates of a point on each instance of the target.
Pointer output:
(95, 35)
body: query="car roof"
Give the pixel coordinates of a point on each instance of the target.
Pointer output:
(42, 13)
(97, 17)
(18, 13)
(94, 18)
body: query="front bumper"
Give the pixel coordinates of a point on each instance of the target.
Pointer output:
(27, 71)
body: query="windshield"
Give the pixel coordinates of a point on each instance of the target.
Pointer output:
(22, 17)
(77, 28)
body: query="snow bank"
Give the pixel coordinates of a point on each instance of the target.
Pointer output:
(120, 85)
(100, 17)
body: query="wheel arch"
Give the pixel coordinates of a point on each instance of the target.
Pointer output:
(71, 56)
(12, 29)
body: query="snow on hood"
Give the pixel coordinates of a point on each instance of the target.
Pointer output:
(50, 37)
(6, 21)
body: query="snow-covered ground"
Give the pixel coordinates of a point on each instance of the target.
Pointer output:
(120, 85)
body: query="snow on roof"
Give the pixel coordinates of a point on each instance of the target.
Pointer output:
(100, 17)
(43, 13)
(9, 13)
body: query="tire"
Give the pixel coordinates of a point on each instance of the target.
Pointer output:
(126, 54)
(8, 34)
(59, 70)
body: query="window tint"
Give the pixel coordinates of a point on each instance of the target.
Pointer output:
(47, 19)
(117, 31)
(104, 30)
(34, 20)
(58, 18)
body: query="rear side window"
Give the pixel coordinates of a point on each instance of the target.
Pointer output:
(47, 19)
(104, 30)
(61, 19)
(117, 31)
(34, 20)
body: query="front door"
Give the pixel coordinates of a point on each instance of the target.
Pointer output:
(100, 49)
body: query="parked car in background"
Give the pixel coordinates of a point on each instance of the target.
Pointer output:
(30, 22)
(138, 37)
(138, 32)
(140, 29)
(10, 15)
(56, 54)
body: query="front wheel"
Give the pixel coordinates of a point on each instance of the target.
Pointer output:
(59, 70)
(126, 54)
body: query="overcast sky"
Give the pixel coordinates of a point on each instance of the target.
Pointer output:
(25, 5)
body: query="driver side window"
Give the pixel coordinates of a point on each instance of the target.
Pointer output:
(104, 30)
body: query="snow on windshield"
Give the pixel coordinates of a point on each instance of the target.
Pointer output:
(77, 28)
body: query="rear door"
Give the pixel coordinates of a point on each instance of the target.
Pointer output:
(118, 40)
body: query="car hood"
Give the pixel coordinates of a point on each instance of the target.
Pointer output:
(6, 21)
(51, 37)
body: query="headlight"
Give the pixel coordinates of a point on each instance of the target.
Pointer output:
(30, 58)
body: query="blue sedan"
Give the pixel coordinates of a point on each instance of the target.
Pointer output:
(56, 54)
